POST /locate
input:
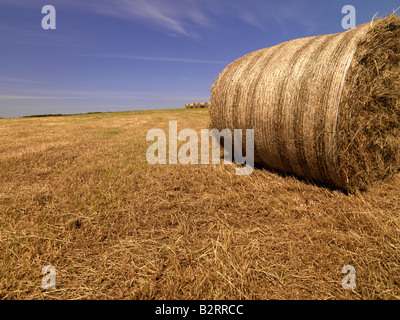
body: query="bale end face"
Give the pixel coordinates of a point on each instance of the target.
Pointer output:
(369, 113)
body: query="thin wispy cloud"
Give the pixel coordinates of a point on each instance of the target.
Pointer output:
(22, 97)
(26, 97)
(175, 17)
(187, 18)
(17, 80)
(260, 14)
(167, 59)
(91, 94)
(37, 37)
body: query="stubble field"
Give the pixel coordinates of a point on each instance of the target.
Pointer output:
(77, 193)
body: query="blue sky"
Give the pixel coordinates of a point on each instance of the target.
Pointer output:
(117, 55)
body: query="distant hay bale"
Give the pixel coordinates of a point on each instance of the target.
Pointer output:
(325, 107)
(205, 105)
(198, 105)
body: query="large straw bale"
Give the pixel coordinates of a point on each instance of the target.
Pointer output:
(324, 107)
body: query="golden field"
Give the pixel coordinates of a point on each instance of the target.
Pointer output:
(76, 192)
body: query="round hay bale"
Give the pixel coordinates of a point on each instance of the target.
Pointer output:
(324, 107)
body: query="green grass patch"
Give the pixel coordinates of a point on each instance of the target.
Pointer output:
(112, 132)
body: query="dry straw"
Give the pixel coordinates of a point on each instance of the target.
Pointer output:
(324, 107)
